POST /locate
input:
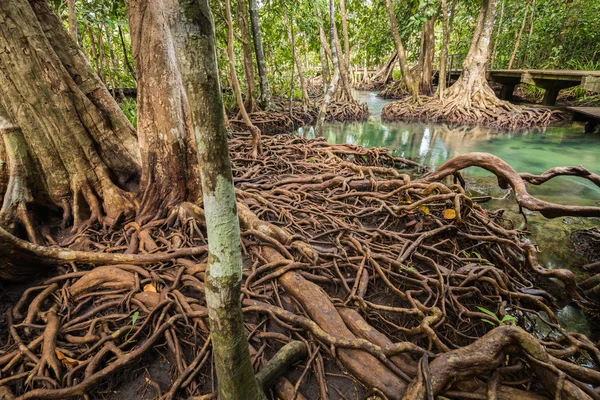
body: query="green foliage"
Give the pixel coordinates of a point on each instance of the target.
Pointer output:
(129, 108)
(506, 320)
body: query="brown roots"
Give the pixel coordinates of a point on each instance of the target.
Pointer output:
(477, 106)
(381, 276)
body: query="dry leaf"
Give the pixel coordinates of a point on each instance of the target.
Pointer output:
(150, 288)
(425, 210)
(68, 361)
(449, 213)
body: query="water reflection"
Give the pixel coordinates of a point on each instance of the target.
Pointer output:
(433, 144)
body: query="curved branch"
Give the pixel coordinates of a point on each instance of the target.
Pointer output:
(507, 176)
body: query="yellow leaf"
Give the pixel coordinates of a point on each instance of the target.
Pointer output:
(150, 288)
(425, 210)
(68, 361)
(449, 213)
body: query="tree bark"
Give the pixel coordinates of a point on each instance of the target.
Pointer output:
(169, 163)
(82, 148)
(197, 55)
(518, 41)
(125, 55)
(242, 17)
(265, 92)
(256, 147)
(336, 73)
(406, 72)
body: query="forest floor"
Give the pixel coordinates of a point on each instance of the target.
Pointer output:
(387, 275)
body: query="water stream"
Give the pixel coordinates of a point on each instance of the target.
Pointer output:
(432, 144)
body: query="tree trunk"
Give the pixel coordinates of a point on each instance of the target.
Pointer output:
(197, 55)
(428, 52)
(336, 73)
(406, 72)
(256, 147)
(345, 35)
(518, 41)
(72, 20)
(265, 93)
(242, 16)
(82, 149)
(299, 66)
(444, 51)
(169, 164)
(325, 72)
(125, 55)
(342, 93)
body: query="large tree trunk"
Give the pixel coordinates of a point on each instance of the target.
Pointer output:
(242, 17)
(406, 72)
(518, 40)
(197, 54)
(169, 164)
(256, 147)
(265, 92)
(82, 149)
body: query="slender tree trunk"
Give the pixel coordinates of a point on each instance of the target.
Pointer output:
(125, 54)
(444, 50)
(406, 72)
(299, 66)
(265, 93)
(242, 16)
(526, 52)
(197, 54)
(95, 52)
(101, 57)
(169, 165)
(498, 33)
(72, 20)
(116, 75)
(82, 149)
(256, 146)
(336, 73)
(343, 92)
(428, 52)
(518, 41)
(345, 35)
(325, 72)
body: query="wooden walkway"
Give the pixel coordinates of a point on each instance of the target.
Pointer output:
(589, 114)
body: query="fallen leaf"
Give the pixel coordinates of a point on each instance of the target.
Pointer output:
(449, 213)
(425, 210)
(150, 288)
(68, 361)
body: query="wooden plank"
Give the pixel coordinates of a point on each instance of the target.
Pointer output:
(593, 112)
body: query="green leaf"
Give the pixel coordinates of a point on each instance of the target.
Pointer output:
(509, 319)
(135, 317)
(488, 312)
(489, 322)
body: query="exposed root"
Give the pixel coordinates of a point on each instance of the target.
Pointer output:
(342, 251)
(394, 90)
(480, 106)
